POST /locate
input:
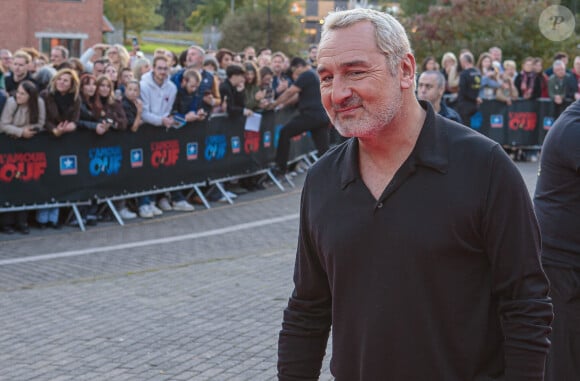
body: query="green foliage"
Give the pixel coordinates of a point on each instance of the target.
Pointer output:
(250, 27)
(478, 25)
(175, 13)
(413, 7)
(150, 47)
(136, 15)
(209, 12)
(213, 12)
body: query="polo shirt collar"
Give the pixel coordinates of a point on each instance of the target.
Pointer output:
(430, 151)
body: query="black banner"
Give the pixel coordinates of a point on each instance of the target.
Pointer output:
(81, 165)
(522, 124)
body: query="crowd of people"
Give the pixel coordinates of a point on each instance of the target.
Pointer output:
(110, 88)
(467, 82)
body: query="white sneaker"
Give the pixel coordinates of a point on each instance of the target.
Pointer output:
(126, 214)
(145, 211)
(155, 210)
(183, 206)
(164, 205)
(232, 195)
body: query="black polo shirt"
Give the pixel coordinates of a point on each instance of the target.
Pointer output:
(418, 285)
(557, 197)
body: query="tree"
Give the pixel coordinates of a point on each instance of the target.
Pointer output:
(478, 25)
(413, 7)
(175, 13)
(249, 26)
(211, 12)
(136, 15)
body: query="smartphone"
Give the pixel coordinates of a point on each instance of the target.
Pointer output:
(135, 43)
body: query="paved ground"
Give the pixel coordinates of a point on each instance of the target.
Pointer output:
(188, 296)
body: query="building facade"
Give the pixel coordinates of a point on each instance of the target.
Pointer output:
(42, 24)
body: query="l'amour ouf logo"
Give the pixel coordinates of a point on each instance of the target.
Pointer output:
(105, 160)
(523, 121)
(164, 153)
(26, 166)
(215, 147)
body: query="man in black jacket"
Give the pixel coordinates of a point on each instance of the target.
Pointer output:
(469, 84)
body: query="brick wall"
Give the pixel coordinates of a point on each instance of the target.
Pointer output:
(24, 19)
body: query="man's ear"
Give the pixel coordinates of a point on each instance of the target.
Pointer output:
(407, 68)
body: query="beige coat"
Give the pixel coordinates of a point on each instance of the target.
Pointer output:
(15, 118)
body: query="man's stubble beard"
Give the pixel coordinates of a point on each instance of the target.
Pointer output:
(370, 125)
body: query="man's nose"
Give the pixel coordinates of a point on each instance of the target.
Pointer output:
(341, 91)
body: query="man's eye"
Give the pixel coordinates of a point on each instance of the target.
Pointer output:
(326, 79)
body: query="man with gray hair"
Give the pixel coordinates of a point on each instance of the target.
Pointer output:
(431, 87)
(469, 85)
(6, 58)
(417, 242)
(58, 55)
(561, 87)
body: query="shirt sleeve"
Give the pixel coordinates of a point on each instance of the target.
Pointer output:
(307, 319)
(147, 115)
(512, 240)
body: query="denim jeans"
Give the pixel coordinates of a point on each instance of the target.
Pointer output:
(45, 215)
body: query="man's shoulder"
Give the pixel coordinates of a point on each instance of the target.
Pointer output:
(565, 127)
(336, 157)
(461, 138)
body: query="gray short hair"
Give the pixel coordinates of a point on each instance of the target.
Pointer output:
(439, 76)
(390, 36)
(558, 63)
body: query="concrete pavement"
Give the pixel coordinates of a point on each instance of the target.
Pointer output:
(188, 296)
